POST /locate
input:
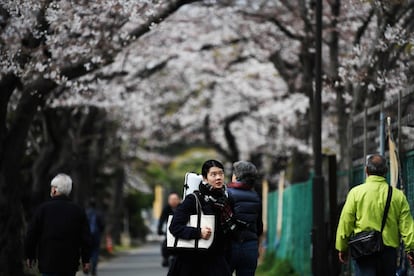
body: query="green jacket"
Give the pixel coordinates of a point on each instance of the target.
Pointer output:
(363, 211)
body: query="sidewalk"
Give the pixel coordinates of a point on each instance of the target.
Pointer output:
(144, 260)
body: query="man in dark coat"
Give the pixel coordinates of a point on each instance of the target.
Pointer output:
(173, 201)
(58, 234)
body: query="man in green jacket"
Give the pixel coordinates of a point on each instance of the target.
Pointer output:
(363, 211)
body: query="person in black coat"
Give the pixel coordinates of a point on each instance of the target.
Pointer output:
(247, 213)
(213, 200)
(58, 234)
(173, 201)
(96, 226)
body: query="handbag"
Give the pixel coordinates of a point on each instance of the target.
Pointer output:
(198, 220)
(368, 243)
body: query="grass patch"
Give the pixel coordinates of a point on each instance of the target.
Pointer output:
(273, 266)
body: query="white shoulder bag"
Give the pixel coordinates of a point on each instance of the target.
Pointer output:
(198, 221)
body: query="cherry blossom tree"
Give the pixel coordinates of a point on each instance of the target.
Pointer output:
(229, 89)
(205, 81)
(367, 55)
(45, 45)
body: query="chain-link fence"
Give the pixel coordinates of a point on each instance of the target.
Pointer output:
(294, 241)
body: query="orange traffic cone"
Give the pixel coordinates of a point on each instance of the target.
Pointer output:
(109, 246)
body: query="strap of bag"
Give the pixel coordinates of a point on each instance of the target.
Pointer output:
(198, 204)
(387, 207)
(175, 242)
(199, 211)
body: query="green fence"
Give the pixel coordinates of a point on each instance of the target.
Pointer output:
(295, 239)
(358, 175)
(408, 178)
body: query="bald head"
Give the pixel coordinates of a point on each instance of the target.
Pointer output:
(377, 165)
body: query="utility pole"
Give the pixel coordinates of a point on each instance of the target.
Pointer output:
(381, 131)
(319, 231)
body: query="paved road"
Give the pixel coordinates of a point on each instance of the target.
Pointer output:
(145, 261)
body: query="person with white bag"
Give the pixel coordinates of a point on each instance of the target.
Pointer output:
(212, 200)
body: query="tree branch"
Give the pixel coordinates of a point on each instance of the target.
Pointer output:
(270, 17)
(73, 71)
(361, 30)
(230, 138)
(210, 140)
(32, 97)
(162, 13)
(286, 69)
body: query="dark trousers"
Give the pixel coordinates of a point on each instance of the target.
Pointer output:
(244, 257)
(94, 259)
(96, 244)
(164, 250)
(383, 264)
(200, 264)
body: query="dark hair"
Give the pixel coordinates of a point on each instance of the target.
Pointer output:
(377, 165)
(209, 164)
(174, 193)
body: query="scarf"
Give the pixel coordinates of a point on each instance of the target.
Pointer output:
(219, 201)
(240, 185)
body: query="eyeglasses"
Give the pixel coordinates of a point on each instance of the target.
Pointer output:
(215, 174)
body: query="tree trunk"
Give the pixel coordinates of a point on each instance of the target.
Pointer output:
(41, 167)
(117, 209)
(11, 188)
(7, 85)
